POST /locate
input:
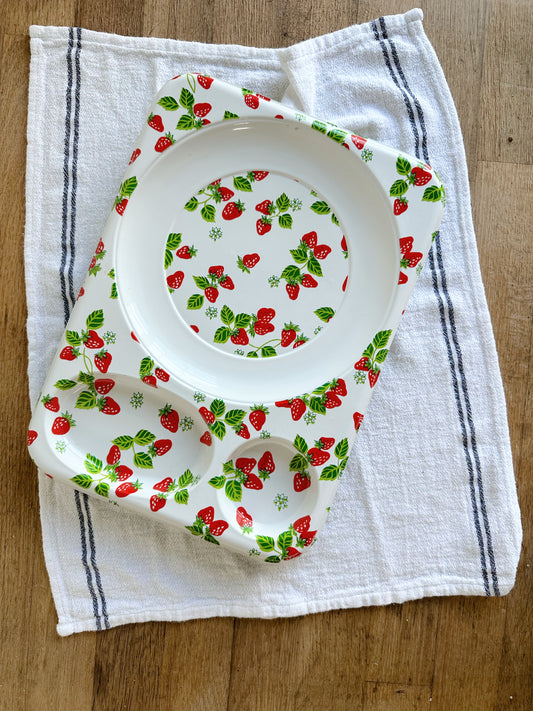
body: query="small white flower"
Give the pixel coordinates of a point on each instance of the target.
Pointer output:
(136, 400)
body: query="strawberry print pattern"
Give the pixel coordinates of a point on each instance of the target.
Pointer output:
(257, 265)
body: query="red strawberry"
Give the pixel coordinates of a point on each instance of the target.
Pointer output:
(217, 270)
(120, 206)
(195, 328)
(358, 142)
(108, 406)
(92, 264)
(318, 456)
(266, 463)
(326, 442)
(201, 109)
(264, 207)
(357, 420)
(204, 81)
(206, 438)
(288, 335)
(263, 226)
(104, 385)
(51, 403)
(126, 489)
(114, 454)
(344, 246)
(243, 431)
(261, 328)
(403, 278)
(301, 481)
(164, 142)
(282, 403)
(62, 424)
(232, 210)
(102, 361)
(412, 258)
(308, 537)
(321, 251)
(362, 364)
(136, 153)
(257, 418)
(265, 98)
(373, 376)
(156, 122)
(265, 314)
(225, 193)
(292, 552)
(211, 294)
(227, 283)
(253, 482)
(93, 340)
(292, 290)
(157, 501)
(299, 342)
(250, 260)
(309, 282)
(421, 176)
(240, 338)
(251, 100)
(400, 205)
(244, 520)
(298, 408)
(310, 239)
(134, 337)
(123, 472)
(150, 380)
(302, 524)
(332, 400)
(162, 375)
(186, 252)
(260, 174)
(207, 415)
(217, 528)
(169, 418)
(174, 280)
(340, 388)
(68, 353)
(406, 244)
(162, 446)
(31, 437)
(207, 515)
(245, 464)
(344, 284)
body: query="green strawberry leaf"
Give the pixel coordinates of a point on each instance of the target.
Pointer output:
(300, 444)
(242, 183)
(320, 126)
(169, 103)
(273, 559)
(299, 255)
(195, 301)
(174, 238)
(291, 273)
(343, 463)
(143, 460)
(268, 351)
(191, 204)
(341, 450)
(329, 473)
(367, 353)
(195, 529)
(325, 313)
(285, 221)
(127, 188)
(146, 366)
(93, 465)
(321, 207)
(229, 115)
(143, 437)
(86, 400)
(234, 417)
(228, 467)
(322, 389)
(334, 218)
(265, 543)
(217, 407)
(83, 480)
(314, 267)
(398, 188)
(86, 378)
(233, 490)
(185, 123)
(102, 489)
(242, 320)
(114, 291)
(64, 384)
(337, 134)
(181, 497)
(298, 463)
(73, 338)
(209, 537)
(95, 319)
(283, 203)
(252, 354)
(381, 338)
(227, 316)
(222, 335)
(381, 355)
(432, 193)
(218, 428)
(217, 481)
(316, 405)
(208, 213)
(123, 442)
(201, 282)
(169, 258)
(186, 99)
(185, 479)
(284, 540)
(403, 167)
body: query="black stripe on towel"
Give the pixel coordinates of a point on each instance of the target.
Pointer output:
(447, 317)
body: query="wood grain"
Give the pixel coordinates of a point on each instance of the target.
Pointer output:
(447, 654)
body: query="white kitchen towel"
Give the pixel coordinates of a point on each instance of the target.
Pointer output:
(428, 503)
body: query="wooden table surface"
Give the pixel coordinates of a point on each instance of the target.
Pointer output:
(443, 654)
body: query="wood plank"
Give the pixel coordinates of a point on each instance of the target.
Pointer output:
(21, 15)
(383, 696)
